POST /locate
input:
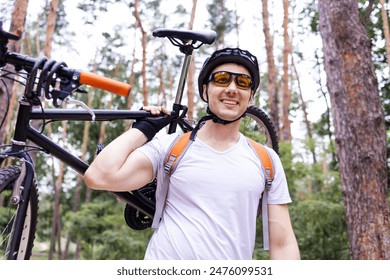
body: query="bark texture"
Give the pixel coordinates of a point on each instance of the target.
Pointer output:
(359, 128)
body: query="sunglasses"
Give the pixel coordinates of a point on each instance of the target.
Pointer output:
(224, 78)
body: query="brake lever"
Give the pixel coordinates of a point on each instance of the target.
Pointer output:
(70, 100)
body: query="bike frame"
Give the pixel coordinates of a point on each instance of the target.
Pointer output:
(24, 132)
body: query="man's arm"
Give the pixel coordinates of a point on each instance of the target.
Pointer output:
(118, 167)
(283, 244)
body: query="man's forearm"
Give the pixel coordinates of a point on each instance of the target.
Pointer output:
(288, 251)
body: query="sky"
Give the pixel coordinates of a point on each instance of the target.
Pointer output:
(87, 41)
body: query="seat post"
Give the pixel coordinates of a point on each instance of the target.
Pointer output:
(183, 78)
(180, 88)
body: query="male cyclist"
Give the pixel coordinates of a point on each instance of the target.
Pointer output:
(214, 193)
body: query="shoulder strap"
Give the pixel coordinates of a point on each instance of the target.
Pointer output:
(265, 160)
(176, 152)
(267, 166)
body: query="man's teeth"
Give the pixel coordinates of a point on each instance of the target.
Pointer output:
(229, 102)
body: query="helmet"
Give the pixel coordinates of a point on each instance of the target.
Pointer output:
(229, 55)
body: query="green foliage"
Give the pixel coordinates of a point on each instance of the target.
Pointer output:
(123, 243)
(93, 9)
(6, 11)
(320, 229)
(103, 231)
(293, 172)
(317, 213)
(221, 19)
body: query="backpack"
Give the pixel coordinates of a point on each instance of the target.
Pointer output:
(176, 152)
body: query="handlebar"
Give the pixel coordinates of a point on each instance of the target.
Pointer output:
(86, 78)
(63, 80)
(117, 87)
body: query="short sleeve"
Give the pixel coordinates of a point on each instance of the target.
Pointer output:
(278, 193)
(156, 149)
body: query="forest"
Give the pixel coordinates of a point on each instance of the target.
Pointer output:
(325, 84)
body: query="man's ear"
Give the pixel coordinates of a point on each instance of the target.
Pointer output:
(204, 93)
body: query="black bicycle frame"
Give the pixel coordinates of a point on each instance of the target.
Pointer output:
(24, 131)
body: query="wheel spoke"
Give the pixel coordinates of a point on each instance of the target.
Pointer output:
(8, 216)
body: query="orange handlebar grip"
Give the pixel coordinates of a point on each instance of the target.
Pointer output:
(88, 78)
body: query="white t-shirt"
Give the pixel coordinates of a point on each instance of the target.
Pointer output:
(212, 201)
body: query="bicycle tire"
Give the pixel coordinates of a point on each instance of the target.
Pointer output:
(258, 126)
(8, 211)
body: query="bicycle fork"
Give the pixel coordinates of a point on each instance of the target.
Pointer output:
(21, 198)
(22, 186)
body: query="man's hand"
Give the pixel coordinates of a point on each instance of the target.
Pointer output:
(150, 126)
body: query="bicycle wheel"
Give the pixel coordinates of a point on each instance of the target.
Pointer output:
(8, 212)
(258, 126)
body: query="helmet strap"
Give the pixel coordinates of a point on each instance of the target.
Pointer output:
(210, 116)
(218, 120)
(213, 116)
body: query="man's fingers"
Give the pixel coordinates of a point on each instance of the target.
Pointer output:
(156, 110)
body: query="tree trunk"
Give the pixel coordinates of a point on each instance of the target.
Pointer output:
(56, 224)
(51, 25)
(285, 130)
(18, 21)
(237, 24)
(271, 81)
(131, 82)
(144, 43)
(191, 73)
(386, 31)
(304, 110)
(56, 221)
(359, 128)
(79, 183)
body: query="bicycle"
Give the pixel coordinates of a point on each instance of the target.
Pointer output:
(55, 81)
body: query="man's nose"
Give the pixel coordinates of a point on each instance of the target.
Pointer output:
(232, 87)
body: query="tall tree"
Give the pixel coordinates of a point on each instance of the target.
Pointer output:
(191, 73)
(221, 20)
(304, 110)
(139, 25)
(271, 77)
(51, 26)
(359, 128)
(285, 129)
(385, 19)
(56, 221)
(17, 26)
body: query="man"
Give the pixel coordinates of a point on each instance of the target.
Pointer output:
(214, 193)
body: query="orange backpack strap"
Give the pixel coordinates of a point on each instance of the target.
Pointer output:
(266, 161)
(175, 152)
(268, 168)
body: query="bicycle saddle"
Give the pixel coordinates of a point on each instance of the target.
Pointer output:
(206, 36)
